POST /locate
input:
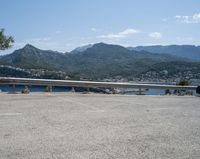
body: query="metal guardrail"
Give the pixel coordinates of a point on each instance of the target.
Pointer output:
(49, 82)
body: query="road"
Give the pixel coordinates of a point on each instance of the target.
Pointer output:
(91, 126)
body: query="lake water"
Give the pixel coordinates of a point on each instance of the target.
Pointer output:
(9, 88)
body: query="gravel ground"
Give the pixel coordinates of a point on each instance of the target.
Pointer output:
(77, 126)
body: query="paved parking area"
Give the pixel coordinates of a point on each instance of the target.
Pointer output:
(75, 126)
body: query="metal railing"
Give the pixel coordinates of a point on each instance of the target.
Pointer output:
(88, 84)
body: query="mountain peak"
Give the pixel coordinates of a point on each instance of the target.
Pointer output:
(82, 48)
(102, 44)
(29, 46)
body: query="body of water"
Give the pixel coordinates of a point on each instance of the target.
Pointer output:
(18, 88)
(9, 88)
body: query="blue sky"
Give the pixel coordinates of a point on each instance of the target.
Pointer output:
(63, 25)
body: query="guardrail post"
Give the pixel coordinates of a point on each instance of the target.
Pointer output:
(14, 89)
(140, 91)
(48, 88)
(73, 90)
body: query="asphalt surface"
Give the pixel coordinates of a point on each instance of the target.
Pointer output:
(74, 126)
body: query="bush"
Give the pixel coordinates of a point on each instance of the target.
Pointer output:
(183, 83)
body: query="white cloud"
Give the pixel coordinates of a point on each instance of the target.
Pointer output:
(155, 35)
(195, 18)
(122, 34)
(94, 29)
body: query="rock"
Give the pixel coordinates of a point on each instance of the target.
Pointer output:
(25, 90)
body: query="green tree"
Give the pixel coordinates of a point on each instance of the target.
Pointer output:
(5, 41)
(183, 83)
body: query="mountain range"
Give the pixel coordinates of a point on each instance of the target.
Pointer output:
(99, 61)
(185, 51)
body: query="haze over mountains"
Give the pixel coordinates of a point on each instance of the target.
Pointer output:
(100, 61)
(185, 51)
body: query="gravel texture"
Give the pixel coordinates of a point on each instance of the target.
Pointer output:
(92, 126)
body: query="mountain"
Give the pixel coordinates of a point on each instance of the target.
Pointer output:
(174, 70)
(98, 61)
(81, 49)
(184, 51)
(31, 57)
(13, 71)
(108, 50)
(104, 60)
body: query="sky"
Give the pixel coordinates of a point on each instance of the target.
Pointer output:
(63, 25)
